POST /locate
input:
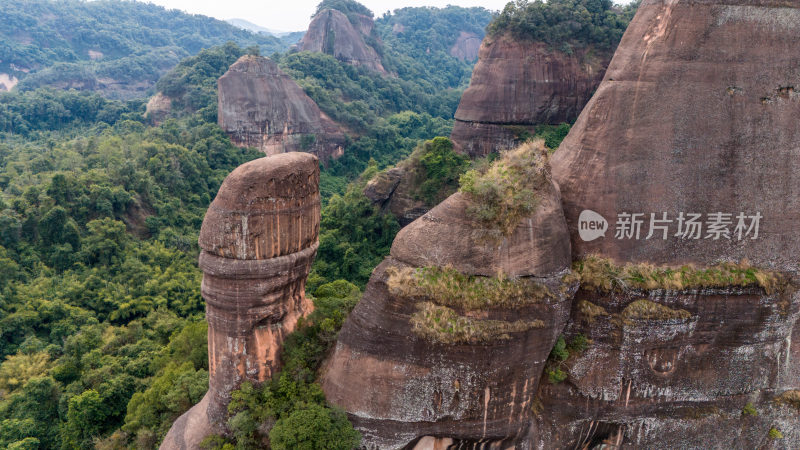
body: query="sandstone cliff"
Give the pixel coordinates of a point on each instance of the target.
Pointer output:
(331, 32)
(697, 114)
(260, 106)
(516, 85)
(424, 367)
(701, 356)
(258, 240)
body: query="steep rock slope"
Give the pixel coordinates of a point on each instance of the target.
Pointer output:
(415, 369)
(258, 240)
(260, 106)
(331, 32)
(518, 84)
(696, 114)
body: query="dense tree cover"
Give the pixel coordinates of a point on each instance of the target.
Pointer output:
(102, 342)
(130, 42)
(192, 84)
(565, 23)
(292, 404)
(417, 43)
(348, 7)
(100, 310)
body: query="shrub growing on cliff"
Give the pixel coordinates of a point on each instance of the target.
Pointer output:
(602, 274)
(555, 365)
(507, 192)
(449, 287)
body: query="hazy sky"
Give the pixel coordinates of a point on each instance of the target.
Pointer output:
(294, 15)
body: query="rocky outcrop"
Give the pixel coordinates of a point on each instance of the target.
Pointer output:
(258, 240)
(682, 380)
(7, 81)
(393, 190)
(158, 108)
(517, 85)
(697, 114)
(260, 106)
(466, 46)
(404, 385)
(331, 32)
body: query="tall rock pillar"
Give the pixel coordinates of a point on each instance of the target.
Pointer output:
(258, 241)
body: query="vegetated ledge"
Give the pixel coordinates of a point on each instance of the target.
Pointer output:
(440, 324)
(603, 275)
(790, 398)
(506, 192)
(449, 287)
(644, 309)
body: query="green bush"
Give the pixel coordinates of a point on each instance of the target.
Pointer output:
(507, 192)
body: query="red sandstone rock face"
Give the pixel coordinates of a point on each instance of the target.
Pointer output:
(258, 241)
(516, 85)
(332, 33)
(393, 190)
(697, 114)
(260, 106)
(401, 389)
(680, 382)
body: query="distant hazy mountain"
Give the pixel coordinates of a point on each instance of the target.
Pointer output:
(287, 37)
(119, 48)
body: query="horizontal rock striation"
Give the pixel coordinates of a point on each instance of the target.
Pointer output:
(260, 106)
(258, 241)
(406, 381)
(516, 85)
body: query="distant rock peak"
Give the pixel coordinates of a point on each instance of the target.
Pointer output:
(260, 106)
(331, 32)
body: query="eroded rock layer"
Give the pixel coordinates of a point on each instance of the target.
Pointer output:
(258, 241)
(679, 378)
(516, 85)
(331, 32)
(697, 113)
(405, 385)
(260, 106)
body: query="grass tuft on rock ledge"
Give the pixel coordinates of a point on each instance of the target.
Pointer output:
(506, 192)
(790, 398)
(449, 287)
(644, 309)
(442, 325)
(602, 274)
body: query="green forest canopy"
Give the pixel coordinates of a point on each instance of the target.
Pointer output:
(577, 22)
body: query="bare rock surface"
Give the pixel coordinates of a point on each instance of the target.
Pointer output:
(466, 46)
(258, 241)
(331, 32)
(260, 106)
(516, 85)
(697, 113)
